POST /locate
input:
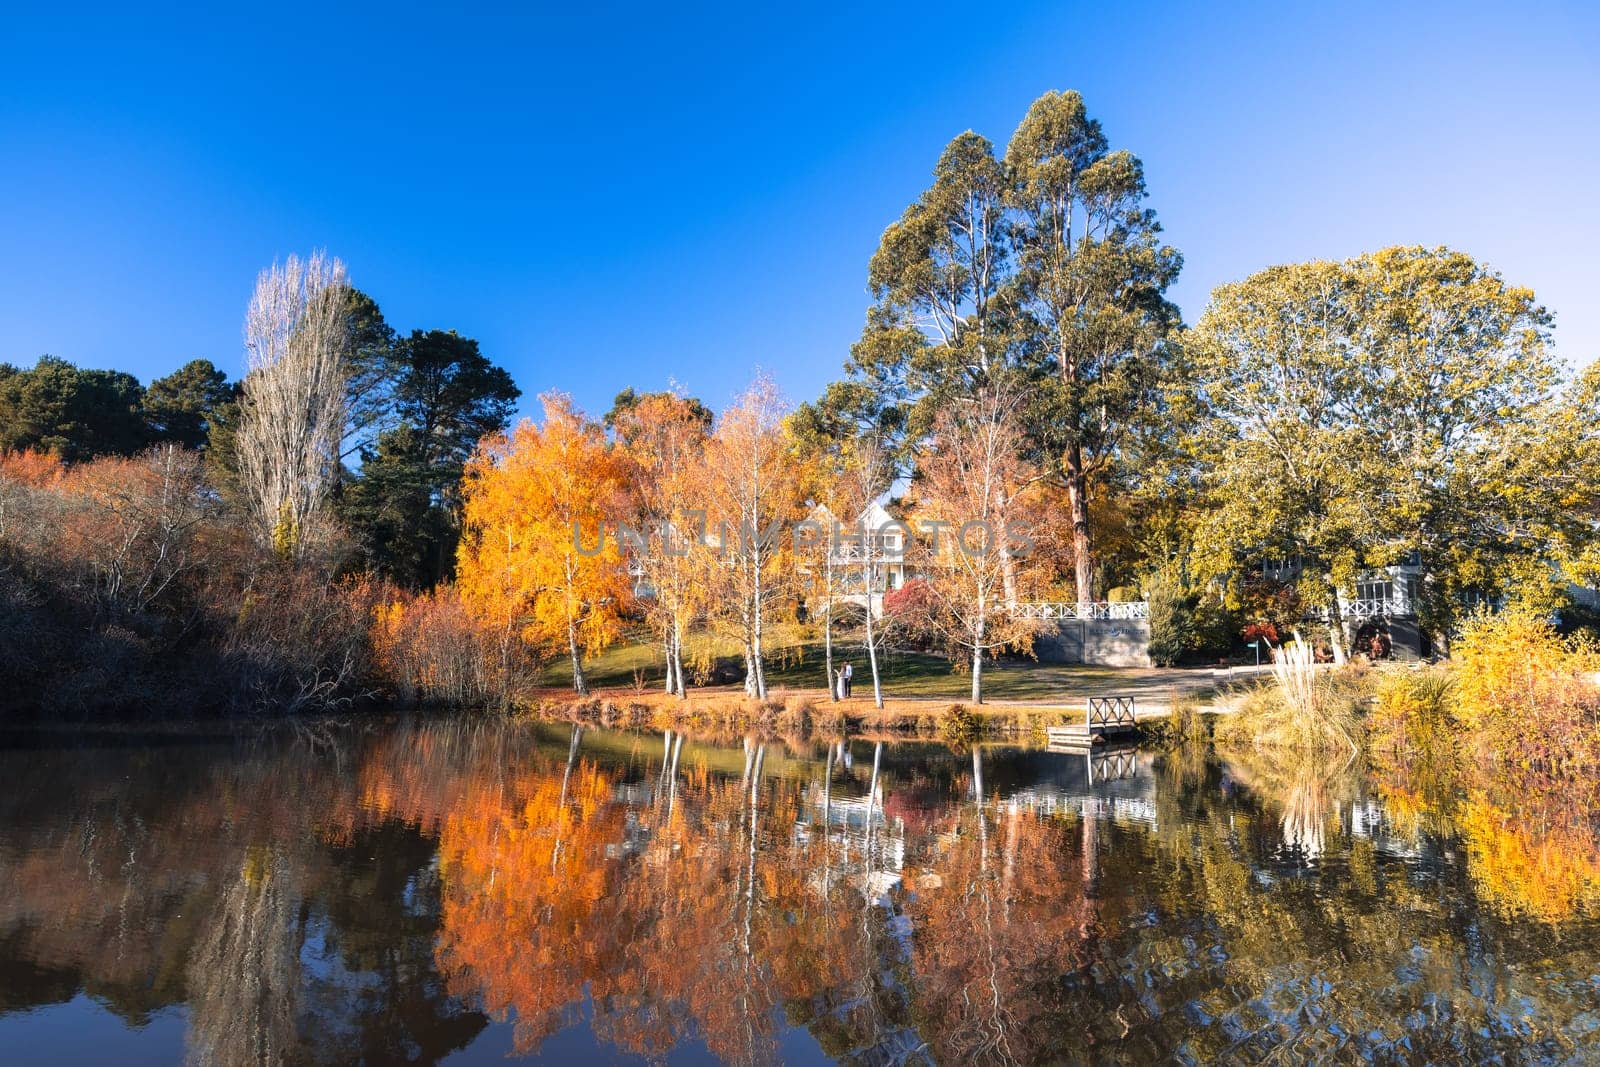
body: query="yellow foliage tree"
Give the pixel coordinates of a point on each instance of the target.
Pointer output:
(534, 560)
(663, 436)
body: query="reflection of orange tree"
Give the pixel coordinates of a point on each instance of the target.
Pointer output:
(1003, 918)
(523, 926)
(1521, 869)
(1531, 848)
(723, 917)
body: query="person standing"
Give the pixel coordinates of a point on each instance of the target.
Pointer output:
(847, 674)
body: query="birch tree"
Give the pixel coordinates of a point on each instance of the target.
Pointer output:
(752, 494)
(664, 437)
(292, 412)
(533, 559)
(973, 515)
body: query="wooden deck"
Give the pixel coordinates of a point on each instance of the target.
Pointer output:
(1104, 718)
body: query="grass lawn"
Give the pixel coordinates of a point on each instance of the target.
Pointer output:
(905, 675)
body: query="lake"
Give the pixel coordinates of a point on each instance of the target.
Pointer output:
(464, 890)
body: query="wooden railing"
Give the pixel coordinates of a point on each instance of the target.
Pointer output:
(1110, 714)
(1397, 606)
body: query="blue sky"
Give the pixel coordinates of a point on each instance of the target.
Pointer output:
(626, 195)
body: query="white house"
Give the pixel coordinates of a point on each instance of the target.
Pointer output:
(871, 551)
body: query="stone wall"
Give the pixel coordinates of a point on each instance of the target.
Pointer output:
(1096, 642)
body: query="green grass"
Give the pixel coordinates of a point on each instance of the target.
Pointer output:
(799, 665)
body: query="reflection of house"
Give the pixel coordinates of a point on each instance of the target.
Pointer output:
(866, 841)
(871, 551)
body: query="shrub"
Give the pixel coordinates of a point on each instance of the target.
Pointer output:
(1523, 691)
(960, 725)
(1172, 630)
(429, 648)
(911, 610)
(1412, 712)
(1185, 624)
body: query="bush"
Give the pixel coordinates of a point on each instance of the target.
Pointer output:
(1524, 691)
(960, 725)
(1185, 625)
(428, 648)
(1412, 712)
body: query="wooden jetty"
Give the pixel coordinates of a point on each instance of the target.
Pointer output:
(1103, 719)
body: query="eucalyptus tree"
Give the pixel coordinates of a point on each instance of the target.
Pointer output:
(1040, 271)
(1091, 277)
(941, 323)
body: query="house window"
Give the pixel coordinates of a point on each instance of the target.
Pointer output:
(1375, 590)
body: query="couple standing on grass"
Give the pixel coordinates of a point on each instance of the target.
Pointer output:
(841, 681)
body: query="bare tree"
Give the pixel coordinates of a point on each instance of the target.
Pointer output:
(297, 345)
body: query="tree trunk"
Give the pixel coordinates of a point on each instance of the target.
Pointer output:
(749, 668)
(677, 660)
(872, 642)
(827, 625)
(1078, 508)
(1336, 630)
(755, 647)
(977, 666)
(670, 687)
(578, 682)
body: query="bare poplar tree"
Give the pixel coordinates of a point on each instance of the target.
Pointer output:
(292, 417)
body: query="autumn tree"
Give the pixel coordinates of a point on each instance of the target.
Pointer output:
(751, 494)
(1401, 402)
(533, 560)
(663, 437)
(974, 518)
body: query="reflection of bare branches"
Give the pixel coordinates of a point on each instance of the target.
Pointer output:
(992, 1020)
(244, 971)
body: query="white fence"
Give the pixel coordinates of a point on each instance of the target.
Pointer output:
(1397, 606)
(1085, 609)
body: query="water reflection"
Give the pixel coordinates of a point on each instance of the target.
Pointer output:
(403, 891)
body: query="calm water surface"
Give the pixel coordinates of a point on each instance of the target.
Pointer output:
(464, 891)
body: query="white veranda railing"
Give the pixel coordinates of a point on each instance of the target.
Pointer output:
(1085, 609)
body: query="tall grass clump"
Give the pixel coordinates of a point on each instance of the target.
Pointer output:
(1302, 708)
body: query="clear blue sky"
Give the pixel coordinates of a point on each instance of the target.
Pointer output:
(620, 196)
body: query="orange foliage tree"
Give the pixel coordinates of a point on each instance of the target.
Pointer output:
(534, 561)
